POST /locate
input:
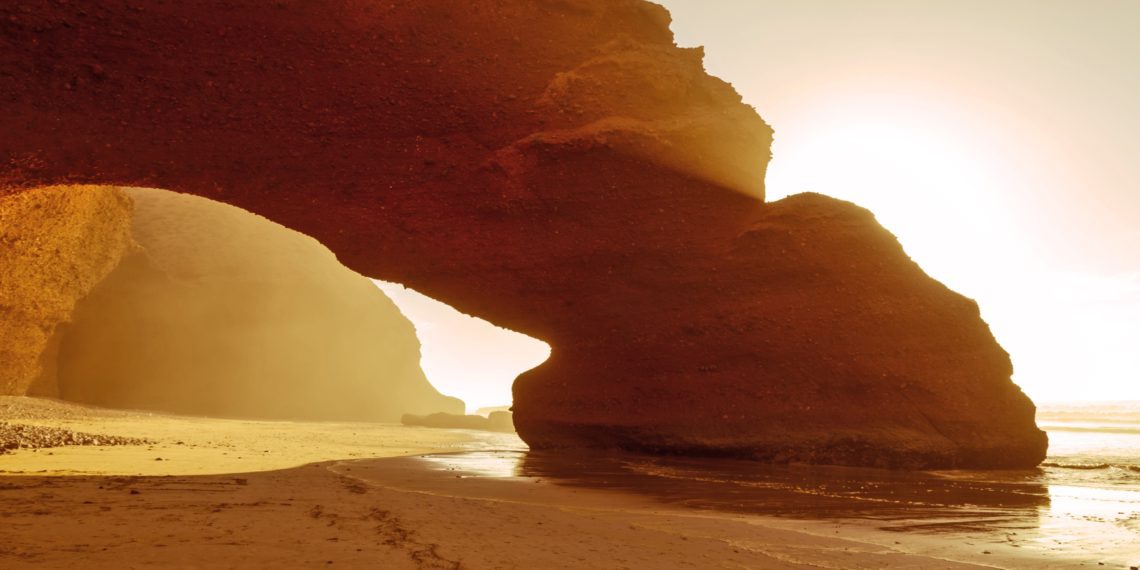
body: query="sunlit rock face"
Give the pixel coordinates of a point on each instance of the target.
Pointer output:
(56, 244)
(557, 167)
(224, 313)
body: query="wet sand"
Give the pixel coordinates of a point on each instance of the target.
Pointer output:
(237, 494)
(807, 516)
(361, 515)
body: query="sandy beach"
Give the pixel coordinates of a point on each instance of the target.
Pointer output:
(185, 445)
(207, 493)
(326, 515)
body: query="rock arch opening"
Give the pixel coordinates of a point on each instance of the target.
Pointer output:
(466, 356)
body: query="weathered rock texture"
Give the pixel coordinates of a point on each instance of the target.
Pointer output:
(558, 167)
(224, 313)
(56, 244)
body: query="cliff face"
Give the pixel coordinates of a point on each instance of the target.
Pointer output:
(56, 244)
(224, 313)
(818, 340)
(558, 167)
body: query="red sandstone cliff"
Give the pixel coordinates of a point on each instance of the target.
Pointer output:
(556, 166)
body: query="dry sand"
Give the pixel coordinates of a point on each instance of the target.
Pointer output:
(184, 445)
(239, 494)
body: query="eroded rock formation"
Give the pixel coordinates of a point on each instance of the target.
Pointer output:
(819, 341)
(558, 167)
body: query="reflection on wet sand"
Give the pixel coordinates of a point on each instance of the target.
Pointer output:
(1021, 509)
(801, 491)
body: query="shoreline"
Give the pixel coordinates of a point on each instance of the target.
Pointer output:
(915, 540)
(343, 514)
(252, 494)
(398, 513)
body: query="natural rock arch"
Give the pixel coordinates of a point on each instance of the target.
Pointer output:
(558, 167)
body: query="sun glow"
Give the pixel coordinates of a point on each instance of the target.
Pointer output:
(923, 175)
(947, 185)
(996, 140)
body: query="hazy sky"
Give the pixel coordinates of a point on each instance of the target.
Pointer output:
(1000, 140)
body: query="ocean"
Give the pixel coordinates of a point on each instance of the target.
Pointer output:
(1081, 507)
(1093, 444)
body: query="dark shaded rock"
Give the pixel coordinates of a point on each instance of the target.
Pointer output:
(821, 342)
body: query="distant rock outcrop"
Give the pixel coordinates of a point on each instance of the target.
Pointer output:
(496, 421)
(558, 167)
(487, 411)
